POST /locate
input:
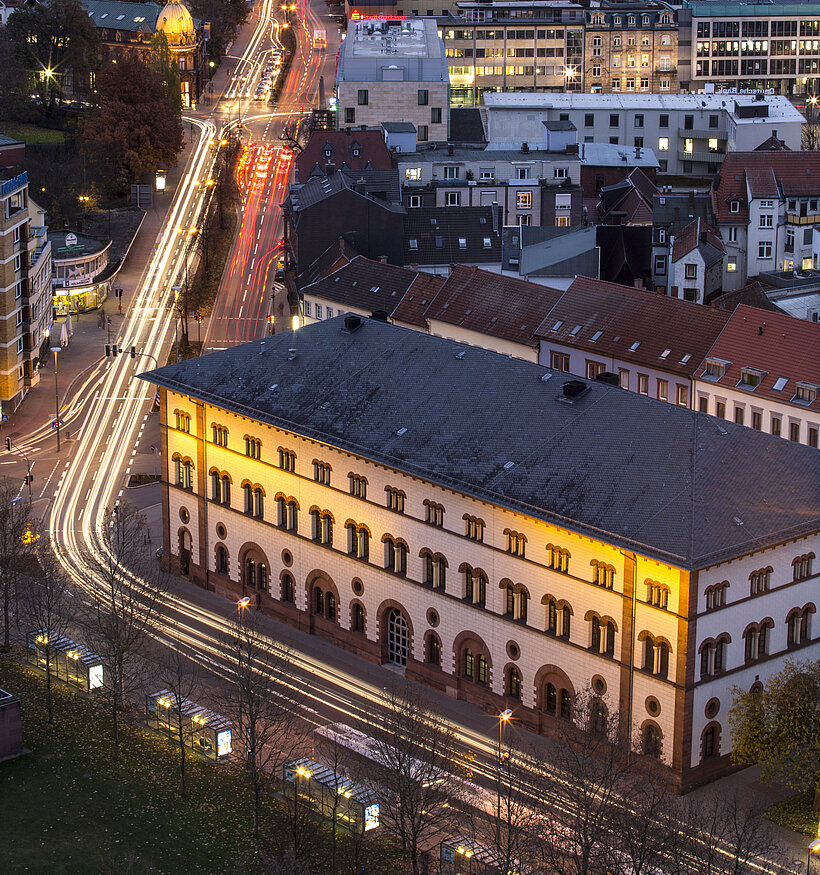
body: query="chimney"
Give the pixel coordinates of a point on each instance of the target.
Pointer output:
(361, 186)
(352, 322)
(525, 148)
(637, 151)
(330, 168)
(449, 148)
(383, 259)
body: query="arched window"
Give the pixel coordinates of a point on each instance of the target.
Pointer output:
(797, 625)
(551, 699)
(710, 742)
(216, 487)
(757, 641)
(358, 618)
(509, 600)
(557, 558)
(358, 541)
(566, 704)
(713, 656)
(433, 649)
(288, 590)
(514, 683)
(250, 573)
(603, 574)
(652, 740)
(657, 594)
(395, 555)
(221, 560)
(552, 617)
(282, 513)
(759, 581)
(398, 638)
(435, 573)
(247, 490)
(226, 489)
(482, 673)
(801, 567)
(331, 606)
(259, 505)
(318, 601)
(469, 664)
(656, 656)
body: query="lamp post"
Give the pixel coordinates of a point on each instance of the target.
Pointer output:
(814, 847)
(503, 719)
(55, 350)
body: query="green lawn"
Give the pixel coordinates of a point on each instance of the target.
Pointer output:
(67, 807)
(33, 135)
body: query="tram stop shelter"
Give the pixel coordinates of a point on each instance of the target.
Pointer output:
(70, 662)
(204, 731)
(316, 784)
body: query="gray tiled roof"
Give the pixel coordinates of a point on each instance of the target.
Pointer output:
(120, 15)
(660, 480)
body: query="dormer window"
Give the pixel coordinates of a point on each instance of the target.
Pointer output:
(645, 21)
(734, 206)
(631, 20)
(355, 151)
(328, 153)
(617, 21)
(715, 368)
(804, 393)
(666, 18)
(751, 378)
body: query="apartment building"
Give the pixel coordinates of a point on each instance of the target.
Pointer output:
(533, 187)
(394, 71)
(689, 133)
(630, 47)
(475, 526)
(737, 46)
(767, 207)
(763, 371)
(25, 289)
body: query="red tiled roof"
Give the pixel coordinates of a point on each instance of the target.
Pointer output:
(619, 317)
(373, 152)
(492, 304)
(691, 236)
(775, 343)
(767, 175)
(417, 298)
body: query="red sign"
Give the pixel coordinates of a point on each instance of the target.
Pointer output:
(355, 15)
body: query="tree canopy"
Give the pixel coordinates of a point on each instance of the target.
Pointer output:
(133, 122)
(778, 727)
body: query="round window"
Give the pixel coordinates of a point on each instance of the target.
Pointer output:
(653, 706)
(221, 531)
(184, 515)
(513, 650)
(432, 617)
(599, 685)
(358, 586)
(712, 708)
(287, 558)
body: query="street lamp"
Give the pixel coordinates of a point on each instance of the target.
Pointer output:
(55, 350)
(503, 719)
(814, 847)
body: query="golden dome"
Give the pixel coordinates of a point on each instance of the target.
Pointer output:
(176, 22)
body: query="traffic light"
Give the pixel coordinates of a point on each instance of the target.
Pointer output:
(8, 444)
(133, 352)
(114, 350)
(107, 350)
(29, 478)
(199, 318)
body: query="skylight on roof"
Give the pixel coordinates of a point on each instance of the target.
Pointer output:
(104, 15)
(665, 353)
(596, 336)
(634, 346)
(120, 17)
(487, 243)
(686, 358)
(576, 330)
(374, 288)
(558, 324)
(462, 242)
(414, 244)
(780, 384)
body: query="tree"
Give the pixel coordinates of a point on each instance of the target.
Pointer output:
(726, 836)
(125, 590)
(414, 775)
(55, 40)
(132, 122)
(265, 715)
(181, 677)
(15, 552)
(14, 89)
(779, 727)
(584, 788)
(165, 66)
(46, 607)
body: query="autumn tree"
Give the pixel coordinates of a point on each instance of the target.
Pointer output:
(125, 589)
(15, 552)
(416, 758)
(55, 40)
(164, 65)
(46, 606)
(132, 122)
(778, 727)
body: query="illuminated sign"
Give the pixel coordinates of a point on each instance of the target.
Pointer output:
(355, 15)
(371, 816)
(95, 677)
(10, 184)
(223, 743)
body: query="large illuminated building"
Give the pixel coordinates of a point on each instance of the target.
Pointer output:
(502, 531)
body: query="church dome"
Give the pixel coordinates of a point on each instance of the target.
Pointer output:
(177, 24)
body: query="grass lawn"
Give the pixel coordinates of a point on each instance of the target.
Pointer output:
(796, 814)
(68, 808)
(33, 135)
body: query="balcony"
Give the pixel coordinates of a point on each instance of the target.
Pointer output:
(793, 218)
(704, 134)
(701, 157)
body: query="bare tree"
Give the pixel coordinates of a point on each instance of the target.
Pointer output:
(583, 789)
(417, 759)
(15, 549)
(725, 836)
(181, 676)
(263, 704)
(125, 589)
(45, 607)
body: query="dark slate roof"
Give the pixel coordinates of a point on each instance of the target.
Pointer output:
(380, 185)
(751, 294)
(373, 152)
(466, 125)
(438, 232)
(399, 127)
(661, 480)
(625, 252)
(364, 284)
(559, 125)
(689, 206)
(336, 255)
(119, 15)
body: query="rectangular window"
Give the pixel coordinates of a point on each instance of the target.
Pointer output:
(451, 172)
(614, 120)
(559, 361)
(691, 271)
(643, 384)
(523, 200)
(593, 369)
(660, 264)
(350, 115)
(766, 220)
(422, 133)
(589, 120)
(663, 390)
(794, 431)
(663, 144)
(452, 198)
(776, 426)
(682, 399)
(423, 96)
(623, 378)
(663, 121)
(363, 97)
(764, 249)
(435, 115)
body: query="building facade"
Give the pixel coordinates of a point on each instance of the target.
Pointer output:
(394, 71)
(25, 289)
(505, 583)
(689, 133)
(81, 270)
(630, 47)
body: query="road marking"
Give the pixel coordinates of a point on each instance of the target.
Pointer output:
(86, 495)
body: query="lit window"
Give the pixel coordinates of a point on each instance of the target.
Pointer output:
(663, 144)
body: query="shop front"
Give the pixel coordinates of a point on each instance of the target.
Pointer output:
(79, 299)
(82, 272)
